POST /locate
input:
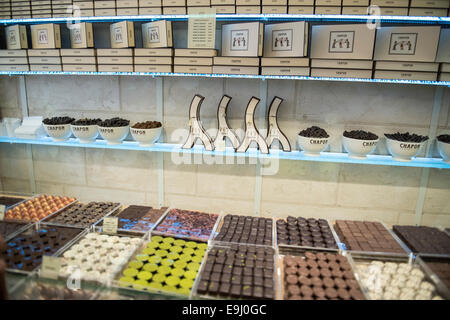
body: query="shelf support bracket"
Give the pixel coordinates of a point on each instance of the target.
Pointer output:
(160, 155)
(424, 179)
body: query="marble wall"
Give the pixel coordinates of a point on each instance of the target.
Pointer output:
(303, 188)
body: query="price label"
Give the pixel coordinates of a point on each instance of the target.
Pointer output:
(2, 211)
(50, 267)
(110, 225)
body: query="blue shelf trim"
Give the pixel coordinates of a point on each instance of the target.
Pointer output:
(241, 17)
(229, 152)
(168, 74)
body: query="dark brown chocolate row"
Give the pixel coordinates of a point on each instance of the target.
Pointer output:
(424, 239)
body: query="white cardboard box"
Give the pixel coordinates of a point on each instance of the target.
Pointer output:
(14, 60)
(356, 3)
(10, 67)
(174, 10)
(407, 66)
(79, 60)
(407, 43)
(16, 37)
(405, 75)
(145, 11)
(387, 11)
(193, 69)
(301, 2)
(115, 68)
(443, 53)
(284, 62)
(193, 61)
(354, 10)
(77, 52)
(114, 52)
(341, 73)
(13, 53)
(224, 9)
(157, 34)
(235, 70)
(430, 4)
(115, 60)
(44, 53)
(286, 39)
(248, 9)
(80, 67)
(158, 52)
(445, 67)
(274, 9)
(351, 41)
(285, 71)
(195, 52)
(236, 61)
(81, 35)
(390, 3)
(345, 64)
(122, 34)
(153, 60)
(326, 3)
(45, 36)
(127, 11)
(45, 60)
(242, 39)
(152, 68)
(300, 10)
(444, 76)
(248, 2)
(44, 67)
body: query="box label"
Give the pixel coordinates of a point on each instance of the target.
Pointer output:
(50, 267)
(76, 32)
(403, 43)
(282, 40)
(117, 32)
(341, 41)
(202, 28)
(12, 39)
(110, 225)
(42, 36)
(239, 40)
(153, 34)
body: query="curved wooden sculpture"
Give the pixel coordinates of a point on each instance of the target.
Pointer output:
(251, 133)
(274, 132)
(196, 130)
(224, 129)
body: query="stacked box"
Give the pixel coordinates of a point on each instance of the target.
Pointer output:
(274, 6)
(14, 60)
(86, 7)
(248, 6)
(301, 6)
(60, 8)
(44, 59)
(174, 6)
(443, 55)
(127, 7)
(406, 53)
(104, 8)
(115, 60)
(41, 8)
(356, 7)
(198, 4)
(5, 9)
(242, 45)
(285, 49)
(342, 51)
(79, 60)
(390, 7)
(224, 6)
(153, 60)
(328, 7)
(429, 8)
(194, 60)
(20, 9)
(149, 7)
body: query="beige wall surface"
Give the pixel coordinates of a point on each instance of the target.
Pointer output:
(300, 188)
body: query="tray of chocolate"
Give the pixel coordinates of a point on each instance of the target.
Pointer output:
(238, 272)
(369, 237)
(37, 208)
(426, 241)
(140, 219)
(97, 257)
(24, 252)
(82, 215)
(295, 235)
(192, 225)
(245, 230)
(395, 278)
(9, 229)
(164, 265)
(319, 275)
(438, 270)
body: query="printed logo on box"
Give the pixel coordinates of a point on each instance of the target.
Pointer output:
(42, 36)
(403, 43)
(153, 34)
(282, 40)
(341, 41)
(239, 40)
(76, 33)
(117, 31)
(12, 39)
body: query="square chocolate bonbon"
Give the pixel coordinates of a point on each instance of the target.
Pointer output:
(367, 236)
(331, 278)
(305, 232)
(246, 229)
(238, 280)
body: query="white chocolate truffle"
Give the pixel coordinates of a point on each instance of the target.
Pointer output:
(437, 298)
(425, 285)
(407, 294)
(423, 295)
(417, 272)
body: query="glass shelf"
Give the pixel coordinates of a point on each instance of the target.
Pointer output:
(202, 75)
(241, 17)
(229, 152)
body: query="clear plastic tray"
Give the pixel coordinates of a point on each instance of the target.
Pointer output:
(135, 232)
(439, 284)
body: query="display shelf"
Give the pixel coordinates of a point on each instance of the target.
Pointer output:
(241, 17)
(335, 157)
(237, 76)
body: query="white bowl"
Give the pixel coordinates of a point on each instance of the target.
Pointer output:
(357, 148)
(86, 134)
(114, 135)
(312, 146)
(59, 132)
(146, 137)
(403, 151)
(444, 150)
